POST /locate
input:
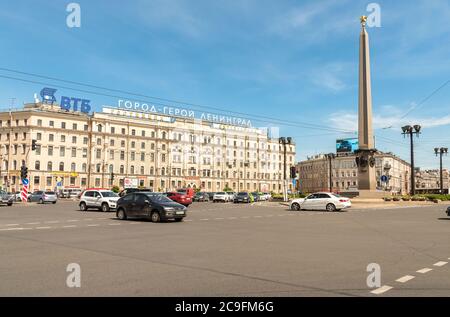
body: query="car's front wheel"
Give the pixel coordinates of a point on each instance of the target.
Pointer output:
(155, 217)
(295, 206)
(331, 207)
(105, 207)
(121, 214)
(178, 219)
(41, 201)
(83, 206)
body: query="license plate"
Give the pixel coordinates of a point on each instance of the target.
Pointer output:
(180, 212)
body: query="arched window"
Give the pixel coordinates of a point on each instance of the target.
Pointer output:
(83, 167)
(163, 171)
(98, 168)
(111, 168)
(132, 169)
(121, 169)
(73, 167)
(142, 170)
(164, 135)
(37, 165)
(49, 166)
(61, 166)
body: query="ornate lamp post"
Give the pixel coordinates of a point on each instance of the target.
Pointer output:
(411, 130)
(441, 151)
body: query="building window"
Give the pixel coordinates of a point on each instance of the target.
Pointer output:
(50, 150)
(84, 154)
(61, 166)
(111, 142)
(121, 169)
(83, 182)
(113, 130)
(37, 165)
(49, 166)
(99, 141)
(133, 132)
(111, 154)
(97, 182)
(86, 127)
(74, 139)
(72, 181)
(83, 167)
(142, 170)
(132, 169)
(38, 149)
(73, 167)
(74, 126)
(99, 128)
(39, 123)
(62, 151)
(51, 123)
(63, 125)
(132, 156)
(85, 140)
(36, 180)
(74, 152)
(38, 136)
(98, 154)
(51, 137)
(142, 157)
(49, 181)
(122, 155)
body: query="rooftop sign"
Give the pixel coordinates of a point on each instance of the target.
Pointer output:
(182, 112)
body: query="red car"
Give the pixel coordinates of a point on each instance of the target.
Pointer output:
(180, 198)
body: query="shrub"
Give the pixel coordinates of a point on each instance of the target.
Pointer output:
(115, 189)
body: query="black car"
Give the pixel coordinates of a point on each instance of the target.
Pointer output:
(256, 196)
(448, 211)
(242, 197)
(155, 206)
(133, 190)
(201, 196)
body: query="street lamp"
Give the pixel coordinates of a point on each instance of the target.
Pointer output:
(284, 141)
(411, 130)
(330, 156)
(441, 151)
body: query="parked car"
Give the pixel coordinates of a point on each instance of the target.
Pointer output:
(133, 190)
(5, 198)
(211, 195)
(243, 197)
(201, 196)
(448, 211)
(221, 196)
(69, 192)
(187, 192)
(256, 196)
(157, 207)
(321, 201)
(180, 198)
(104, 200)
(17, 196)
(267, 196)
(43, 197)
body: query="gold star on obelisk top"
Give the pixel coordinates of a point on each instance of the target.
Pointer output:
(363, 20)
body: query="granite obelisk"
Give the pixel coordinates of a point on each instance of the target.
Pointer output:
(365, 154)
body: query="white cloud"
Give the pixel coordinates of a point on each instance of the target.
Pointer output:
(349, 120)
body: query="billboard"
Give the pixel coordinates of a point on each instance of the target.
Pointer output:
(130, 182)
(346, 145)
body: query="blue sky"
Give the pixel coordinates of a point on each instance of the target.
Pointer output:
(292, 60)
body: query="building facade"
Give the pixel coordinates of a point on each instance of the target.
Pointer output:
(428, 181)
(155, 151)
(314, 174)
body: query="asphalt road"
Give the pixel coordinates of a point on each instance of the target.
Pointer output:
(225, 250)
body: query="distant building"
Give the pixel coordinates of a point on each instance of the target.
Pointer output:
(314, 173)
(428, 181)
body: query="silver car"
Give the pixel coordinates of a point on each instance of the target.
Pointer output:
(43, 197)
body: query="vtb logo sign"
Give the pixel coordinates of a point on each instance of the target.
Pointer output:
(67, 103)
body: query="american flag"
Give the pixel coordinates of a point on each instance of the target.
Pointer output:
(24, 192)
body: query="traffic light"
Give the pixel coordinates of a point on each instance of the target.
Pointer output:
(293, 172)
(33, 145)
(23, 172)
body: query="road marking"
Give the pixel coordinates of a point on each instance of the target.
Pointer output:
(88, 219)
(69, 226)
(33, 223)
(93, 225)
(11, 225)
(114, 224)
(440, 263)
(54, 221)
(232, 218)
(43, 228)
(73, 220)
(257, 216)
(188, 220)
(405, 279)
(424, 270)
(204, 219)
(15, 229)
(381, 290)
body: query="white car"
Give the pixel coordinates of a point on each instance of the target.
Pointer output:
(221, 196)
(321, 201)
(102, 199)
